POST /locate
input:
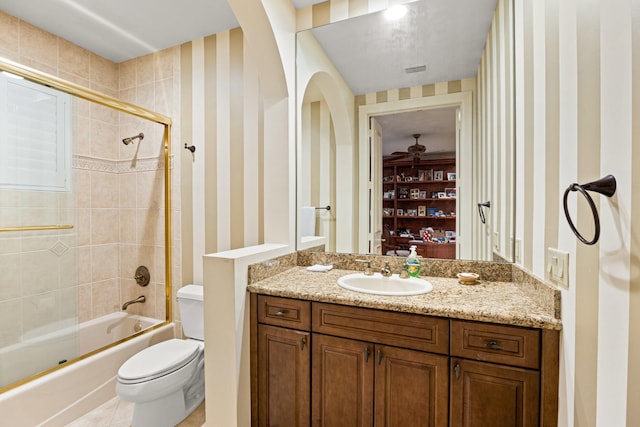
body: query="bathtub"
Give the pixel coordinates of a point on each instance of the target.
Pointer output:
(63, 395)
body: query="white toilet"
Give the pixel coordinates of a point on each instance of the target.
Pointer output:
(166, 380)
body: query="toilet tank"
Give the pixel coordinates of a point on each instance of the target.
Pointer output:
(190, 304)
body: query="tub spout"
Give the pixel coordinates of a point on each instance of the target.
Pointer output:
(138, 300)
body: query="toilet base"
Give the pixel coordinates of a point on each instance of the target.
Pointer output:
(167, 411)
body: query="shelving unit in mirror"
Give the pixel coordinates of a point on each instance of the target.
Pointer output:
(419, 207)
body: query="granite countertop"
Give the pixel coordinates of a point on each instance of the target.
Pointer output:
(496, 302)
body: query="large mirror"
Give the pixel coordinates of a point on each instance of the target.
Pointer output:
(405, 132)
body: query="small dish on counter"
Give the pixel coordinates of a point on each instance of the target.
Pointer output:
(468, 278)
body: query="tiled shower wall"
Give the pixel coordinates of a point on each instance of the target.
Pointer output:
(117, 203)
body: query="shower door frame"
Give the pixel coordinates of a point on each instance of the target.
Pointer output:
(127, 108)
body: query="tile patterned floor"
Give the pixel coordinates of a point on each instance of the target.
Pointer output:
(118, 413)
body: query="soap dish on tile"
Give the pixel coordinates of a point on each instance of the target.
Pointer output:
(467, 278)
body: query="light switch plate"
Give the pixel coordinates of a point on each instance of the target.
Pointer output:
(558, 266)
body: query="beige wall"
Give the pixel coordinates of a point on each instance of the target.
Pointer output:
(577, 113)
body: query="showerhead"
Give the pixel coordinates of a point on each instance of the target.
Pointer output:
(129, 140)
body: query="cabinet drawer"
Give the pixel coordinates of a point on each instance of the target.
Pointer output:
(290, 313)
(509, 345)
(405, 330)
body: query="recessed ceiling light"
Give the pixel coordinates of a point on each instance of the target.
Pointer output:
(395, 12)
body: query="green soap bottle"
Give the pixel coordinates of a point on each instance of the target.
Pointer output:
(412, 264)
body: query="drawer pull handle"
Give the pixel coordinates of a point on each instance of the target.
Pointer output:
(303, 341)
(379, 357)
(493, 345)
(456, 369)
(367, 353)
(282, 313)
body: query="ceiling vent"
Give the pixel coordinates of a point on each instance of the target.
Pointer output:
(418, 69)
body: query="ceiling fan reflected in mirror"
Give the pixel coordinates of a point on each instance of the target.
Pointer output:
(413, 152)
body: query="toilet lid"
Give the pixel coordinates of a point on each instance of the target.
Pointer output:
(159, 359)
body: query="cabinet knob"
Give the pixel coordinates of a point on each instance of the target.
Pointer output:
(379, 357)
(281, 313)
(367, 353)
(456, 370)
(303, 342)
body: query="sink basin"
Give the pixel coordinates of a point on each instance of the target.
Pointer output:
(379, 285)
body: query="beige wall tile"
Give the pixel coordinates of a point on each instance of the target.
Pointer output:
(105, 296)
(166, 63)
(150, 226)
(103, 73)
(127, 194)
(133, 256)
(127, 229)
(84, 226)
(9, 33)
(164, 96)
(40, 310)
(10, 245)
(104, 140)
(104, 114)
(84, 265)
(104, 226)
(38, 45)
(104, 262)
(10, 322)
(127, 74)
(145, 95)
(104, 190)
(150, 189)
(68, 269)
(83, 188)
(144, 70)
(10, 285)
(84, 303)
(39, 272)
(74, 60)
(69, 303)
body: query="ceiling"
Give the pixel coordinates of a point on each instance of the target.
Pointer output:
(447, 37)
(123, 29)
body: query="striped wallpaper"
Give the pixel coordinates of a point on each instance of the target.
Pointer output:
(576, 119)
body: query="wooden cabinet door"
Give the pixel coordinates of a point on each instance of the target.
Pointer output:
(284, 377)
(342, 386)
(411, 388)
(484, 394)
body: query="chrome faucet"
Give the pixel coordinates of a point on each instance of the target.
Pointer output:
(367, 271)
(138, 300)
(386, 270)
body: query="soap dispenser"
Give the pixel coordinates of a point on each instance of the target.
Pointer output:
(412, 264)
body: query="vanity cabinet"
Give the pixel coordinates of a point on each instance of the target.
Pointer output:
(325, 364)
(372, 380)
(283, 362)
(495, 375)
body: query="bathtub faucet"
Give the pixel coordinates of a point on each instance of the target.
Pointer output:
(138, 300)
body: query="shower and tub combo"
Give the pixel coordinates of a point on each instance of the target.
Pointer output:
(71, 312)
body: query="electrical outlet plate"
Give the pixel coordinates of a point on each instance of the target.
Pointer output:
(558, 266)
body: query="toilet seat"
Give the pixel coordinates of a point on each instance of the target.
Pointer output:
(158, 360)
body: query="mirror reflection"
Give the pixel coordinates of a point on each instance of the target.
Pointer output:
(405, 132)
(82, 208)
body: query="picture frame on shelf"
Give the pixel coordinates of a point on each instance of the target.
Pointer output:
(400, 212)
(423, 195)
(422, 210)
(431, 211)
(451, 176)
(442, 195)
(414, 193)
(412, 212)
(438, 175)
(450, 192)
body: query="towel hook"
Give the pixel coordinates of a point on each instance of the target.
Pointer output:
(605, 186)
(486, 204)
